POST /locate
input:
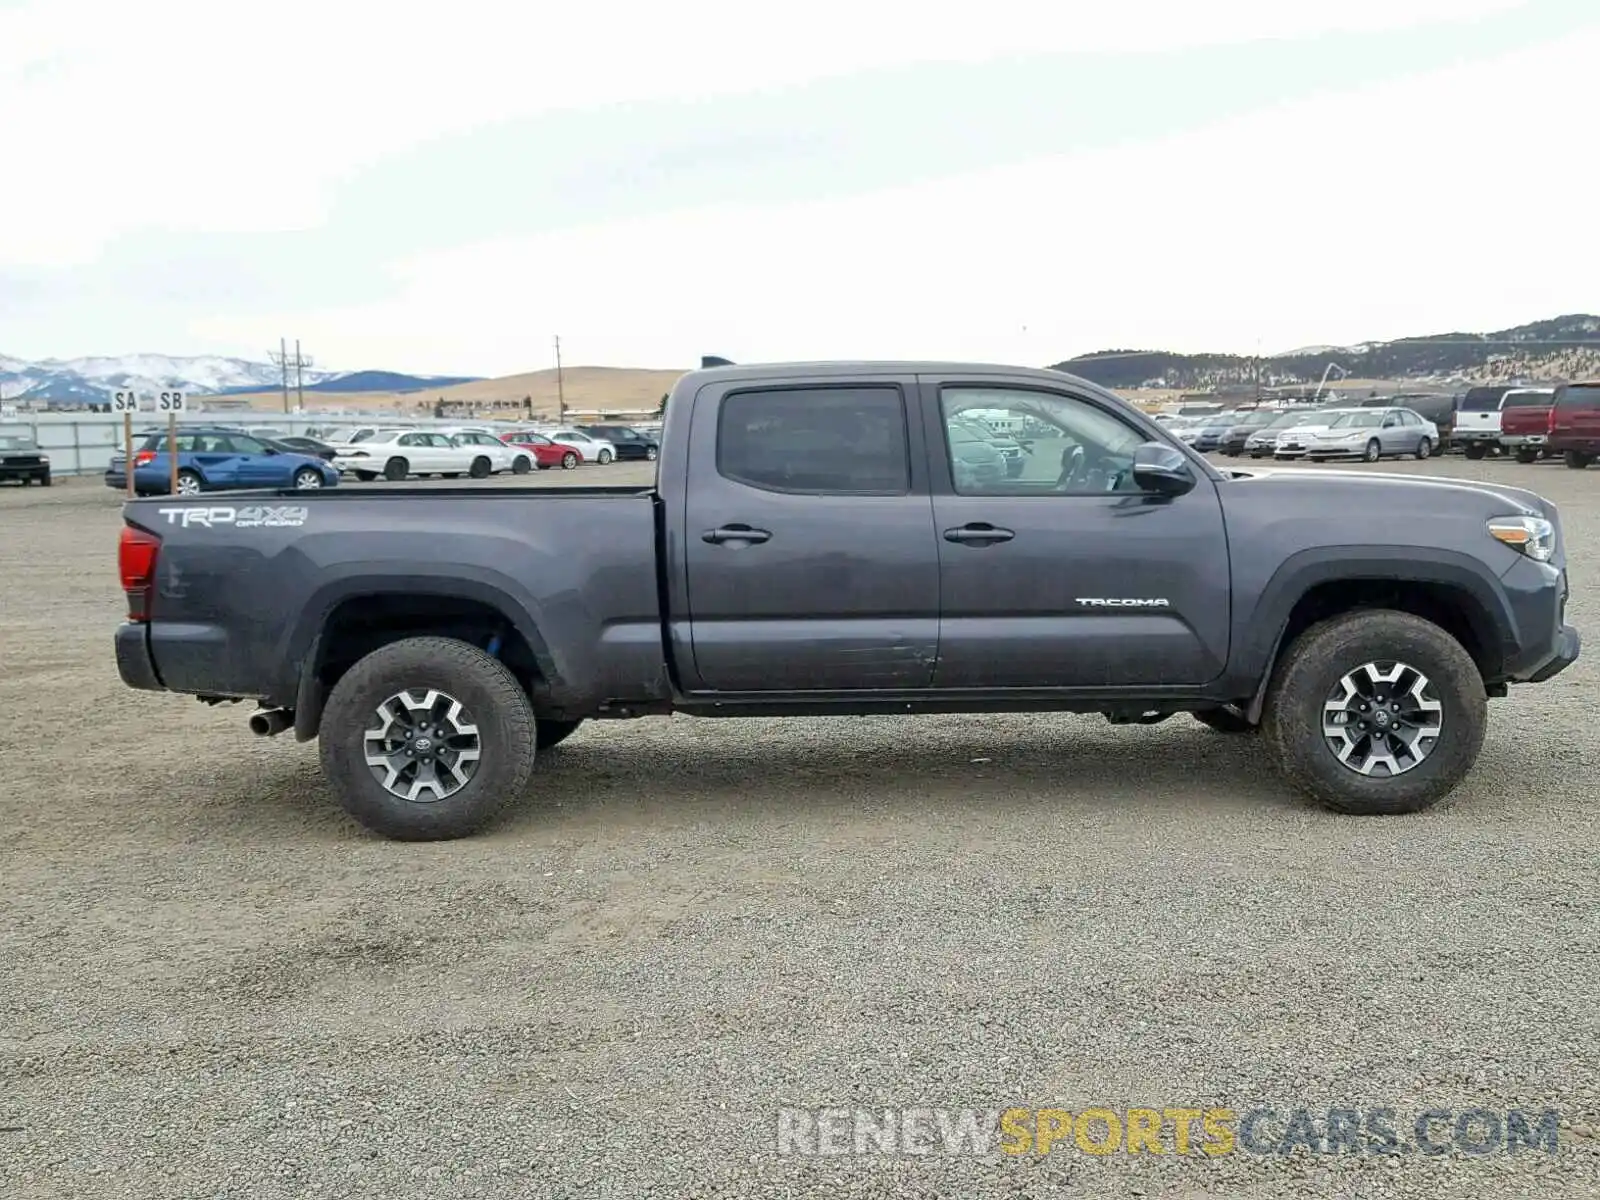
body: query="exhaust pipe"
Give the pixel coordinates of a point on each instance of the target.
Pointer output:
(269, 722)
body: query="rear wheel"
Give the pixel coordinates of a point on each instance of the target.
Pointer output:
(366, 476)
(426, 738)
(190, 483)
(651, 454)
(1424, 449)
(1576, 461)
(452, 475)
(1376, 712)
(1474, 449)
(569, 460)
(553, 733)
(520, 465)
(480, 468)
(396, 469)
(1525, 455)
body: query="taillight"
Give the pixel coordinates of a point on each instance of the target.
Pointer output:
(143, 457)
(136, 561)
(1550, 421)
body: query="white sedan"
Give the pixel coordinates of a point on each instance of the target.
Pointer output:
(399, 454)
(591, 449)
(502, 457)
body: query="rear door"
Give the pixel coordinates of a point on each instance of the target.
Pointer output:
(1577, 417)
(1068, 575)
(807, 538)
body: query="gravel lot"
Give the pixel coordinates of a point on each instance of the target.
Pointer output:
(214, 984)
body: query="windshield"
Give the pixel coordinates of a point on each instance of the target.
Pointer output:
(1357, 420)
(1483, 399)
(13, 441)
(1528, 399)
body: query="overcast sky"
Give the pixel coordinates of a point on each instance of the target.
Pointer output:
(443, 191)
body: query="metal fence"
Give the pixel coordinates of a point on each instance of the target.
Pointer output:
(83, 443)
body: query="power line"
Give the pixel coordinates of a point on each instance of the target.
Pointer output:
(287, 363)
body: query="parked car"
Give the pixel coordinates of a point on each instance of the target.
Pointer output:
(1210, 432)
(1374, 433)
(975, 461)
(1293, 441)
(807, 550)
(502, 456)
(1233, 442)
(1575, 424)
(1478, 420)
(546, 454)
(397, 455)
(1439, 408)
(216, 460)
(1013, 455)
(1262, 442)
(591, 449)
(22, 460)
(1525, 422)
(629, 443)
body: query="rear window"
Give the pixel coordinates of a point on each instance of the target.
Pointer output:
(1579, 395)
(1528, 399)
(1483, 399)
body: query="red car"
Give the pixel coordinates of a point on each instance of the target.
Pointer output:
(546, 453)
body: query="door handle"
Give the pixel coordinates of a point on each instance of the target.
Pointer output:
(979, 533)
(734, 533)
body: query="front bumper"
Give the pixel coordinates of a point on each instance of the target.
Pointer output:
(134, 662)
(1543, 644)
(1568, 644)
(26, 474)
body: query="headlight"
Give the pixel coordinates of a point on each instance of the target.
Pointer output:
(1533, 536)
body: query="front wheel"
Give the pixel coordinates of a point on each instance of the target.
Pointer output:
(569, 461)
(1376, 712)
(651, 454)
(520, 465)
(1424, 449)
(307, 478)
(603, 457)
(426, 738)
(1373, 451)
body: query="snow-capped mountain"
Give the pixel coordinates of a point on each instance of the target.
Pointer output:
(90, 380)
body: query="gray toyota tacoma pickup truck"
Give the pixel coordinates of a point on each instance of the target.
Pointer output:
(843, 538)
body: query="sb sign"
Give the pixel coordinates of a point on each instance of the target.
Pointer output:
(169, 402)
(124, 402)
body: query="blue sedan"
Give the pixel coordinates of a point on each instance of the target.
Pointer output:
(217, 460)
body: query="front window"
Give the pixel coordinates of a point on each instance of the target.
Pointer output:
(1358, 420)
(10, 441)
(1072, 447)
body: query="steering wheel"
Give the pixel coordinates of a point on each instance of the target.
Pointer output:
(1074, 470)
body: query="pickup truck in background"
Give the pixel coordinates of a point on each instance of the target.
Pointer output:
(1525, 423)
(1477, 429)
(812, 546)
(1574, 431)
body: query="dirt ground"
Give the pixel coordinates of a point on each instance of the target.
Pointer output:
(212, 983)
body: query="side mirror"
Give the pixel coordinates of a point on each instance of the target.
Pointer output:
(1161, 469)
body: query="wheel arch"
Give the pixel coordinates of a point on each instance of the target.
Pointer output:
(1453, 591)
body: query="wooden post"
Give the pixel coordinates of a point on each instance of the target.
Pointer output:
(127, 449)
(172, 452)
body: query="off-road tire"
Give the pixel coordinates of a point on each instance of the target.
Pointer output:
(1474, 450)
(481, 468)
(1224, 720)
(485, 687)
(1311, 668)
(1527, 456)
(396, 470)
(553, 733)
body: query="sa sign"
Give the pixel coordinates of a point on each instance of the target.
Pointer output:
(124, 402)
(169, 402)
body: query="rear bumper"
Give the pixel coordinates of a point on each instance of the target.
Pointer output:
(134, 662)
(1522, 439)
(1475, 435)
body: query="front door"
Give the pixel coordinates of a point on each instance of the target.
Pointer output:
(808, 547)
(1066, 574)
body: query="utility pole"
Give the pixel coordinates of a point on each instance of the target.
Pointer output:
(561, 392)
(281, 361)
(300, 364)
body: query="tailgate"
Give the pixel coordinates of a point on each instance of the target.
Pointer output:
(1524, 420)
(1483, 421)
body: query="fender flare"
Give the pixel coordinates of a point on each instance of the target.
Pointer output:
(1261, 632)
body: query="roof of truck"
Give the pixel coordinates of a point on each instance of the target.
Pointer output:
(881, 367)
